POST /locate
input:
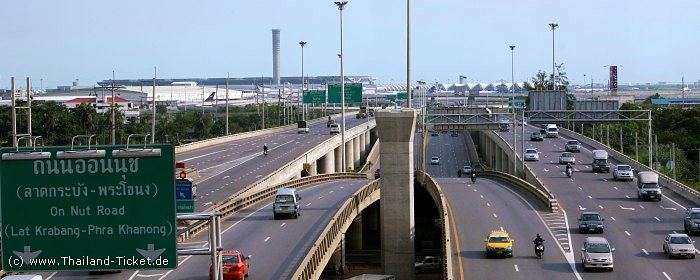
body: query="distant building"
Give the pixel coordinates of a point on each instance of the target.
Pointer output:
(125, 106)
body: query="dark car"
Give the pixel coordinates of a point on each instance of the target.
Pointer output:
(376, 174)
(536, 136)
(434, 133)
(691, 221)
(543, 132)
(454, 134)
(590, 222)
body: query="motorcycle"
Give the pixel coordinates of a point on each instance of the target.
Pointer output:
(473, 177)
(459, 173)
(265, 152)
(569, 172)
(539, 250)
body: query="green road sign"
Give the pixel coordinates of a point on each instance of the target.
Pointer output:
(314, 96)
(108, 208)
(185, 206)
(353, 93)
(391, 97)
(403, 96)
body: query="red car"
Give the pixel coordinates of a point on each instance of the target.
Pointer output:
(235, 265)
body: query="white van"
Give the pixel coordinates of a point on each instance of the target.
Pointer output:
(552, 131)
(286, 203)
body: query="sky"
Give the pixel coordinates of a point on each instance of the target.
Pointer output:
(61, 41)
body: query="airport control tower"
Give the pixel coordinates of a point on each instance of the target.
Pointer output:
(276, 56)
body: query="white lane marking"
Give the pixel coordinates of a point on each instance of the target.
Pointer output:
(258, 176)
(671, 208)
(308, 204)
(149, 275)
(545, 170)
(600, 206)
(580, 188)
(613, 218)
(645, 251)
(628, 234)
(615, 188)
(283, 224)
(590, 197)
(572, 179)
(227, 176)
(266, 239)
(494, 215)
(320, 197)
(671, 200)
(674, 232)
(482, 196)
(474, 189)
(627, 196)
(516, 268)
(581, 208)
(130, 278)
(664, 273)
(331, 192)
(570, 255)
(488, 204)
(640, 206)
(696, 251)
(502, 229)
(201, 156)
(625, 208)
(657, 218)
(54, 273)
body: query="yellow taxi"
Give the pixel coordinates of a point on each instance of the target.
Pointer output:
(499, 244)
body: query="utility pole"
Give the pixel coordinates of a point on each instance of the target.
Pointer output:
(673, 159)
(262, 90)
(607, 135)
(512, 73)
(153, 120)
(636, 146)
(622, 145)
(14, 112)
(114, 116)
(29, 107)
(227, 77)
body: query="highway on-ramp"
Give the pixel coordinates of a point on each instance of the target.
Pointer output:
(477, 209)
(635, 228)
(277, 247)
(227, 168)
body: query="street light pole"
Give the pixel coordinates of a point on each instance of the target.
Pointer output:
(227, 77)
(341, 6)
(512, 71)
(153, 119)
(408, 53)
(299, 96)
(554, 76)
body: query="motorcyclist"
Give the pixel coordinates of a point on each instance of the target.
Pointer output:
(538, 241)
(459, 172)
(569, 169)
(473, 175)
(265, 149)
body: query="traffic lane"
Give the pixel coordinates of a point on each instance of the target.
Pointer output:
(450, 150)
(247, 231)
(634, 227)
(232, 178)
(277, 247)
(479, 208)
(232, 150)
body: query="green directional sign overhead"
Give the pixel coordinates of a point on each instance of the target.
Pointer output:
(353, 93)
(314, 96)
(109, 208)
(403, 96)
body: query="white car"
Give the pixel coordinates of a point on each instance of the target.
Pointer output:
(679, 245)
(335, 128)
(467, 169)
(532, 154)
(567, 157)
(435, 161)
(623, 172)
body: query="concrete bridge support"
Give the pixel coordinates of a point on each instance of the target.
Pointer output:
(396, 132)
(313, 170)
(363, 147)
(349, 154)
(356, 153)
(327, 163)
(353, 237)
(338, 159)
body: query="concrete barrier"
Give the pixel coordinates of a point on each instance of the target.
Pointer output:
(435, 191)
(323, 247)
(547, 199)
(664, 181)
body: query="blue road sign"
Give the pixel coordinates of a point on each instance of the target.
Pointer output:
(183, 189)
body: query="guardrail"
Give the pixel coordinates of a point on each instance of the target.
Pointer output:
(435, 191)
(222, 139)
(331, 236)
(664, 180)
(545, 197)
(234, 204)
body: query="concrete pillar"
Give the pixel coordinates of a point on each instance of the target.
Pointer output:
(297, 176)
(349, 153)
(368, 142)
(328, 163)
(356, 152)
(338, 159)
(353, 237)
(396, 130)
(363, 147)
(313, 170)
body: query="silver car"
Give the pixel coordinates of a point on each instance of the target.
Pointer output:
(597, 253)
(679, 245)
(435, 161)
(532, 154)
(567, 157)
(623, 172)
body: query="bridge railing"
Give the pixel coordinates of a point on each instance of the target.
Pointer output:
(664, 180)
(331, 236)
(546, 198)
(237, 203)
(436, 192)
